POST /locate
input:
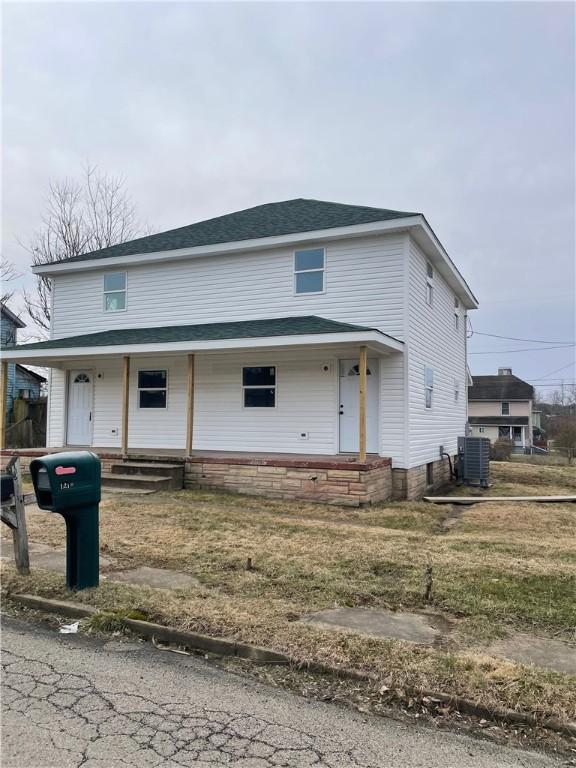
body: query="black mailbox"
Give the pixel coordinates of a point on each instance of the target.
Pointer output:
(69, 484)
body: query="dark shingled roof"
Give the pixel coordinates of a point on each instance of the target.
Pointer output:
(500, 388)
(247, 329)
(269, 220)
(496, 421)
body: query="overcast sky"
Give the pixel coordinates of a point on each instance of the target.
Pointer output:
(464, 111)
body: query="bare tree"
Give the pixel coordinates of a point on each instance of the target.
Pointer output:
(8, 272)
(81, 216)
(565, 437)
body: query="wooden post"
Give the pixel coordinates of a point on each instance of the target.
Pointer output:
(125, 405)
(190, 401)
(362, 366)
(3, 393)
(13, 514)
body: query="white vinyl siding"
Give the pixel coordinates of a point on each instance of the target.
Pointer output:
(363, 285)
(55, 424)
(432, 343)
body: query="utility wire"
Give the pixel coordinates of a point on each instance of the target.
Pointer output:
(515, 338)
(557, 370)
(525, 349)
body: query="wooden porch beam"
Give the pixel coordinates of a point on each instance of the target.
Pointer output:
(3, 393)
(190, 403)
(362, 367)
(125, 404)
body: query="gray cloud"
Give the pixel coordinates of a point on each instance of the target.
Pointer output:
(462, 111)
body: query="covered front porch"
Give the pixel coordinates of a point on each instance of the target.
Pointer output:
(290, 414)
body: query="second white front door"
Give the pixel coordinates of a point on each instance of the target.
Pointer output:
(80, 389)
(349, 406)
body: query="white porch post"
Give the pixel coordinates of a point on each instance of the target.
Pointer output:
(125, 404)
(362, 366)
(190, 403)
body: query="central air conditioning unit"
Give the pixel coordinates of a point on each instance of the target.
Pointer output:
(474, 461)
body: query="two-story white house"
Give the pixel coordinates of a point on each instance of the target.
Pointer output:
(502, 407)
(296, 349)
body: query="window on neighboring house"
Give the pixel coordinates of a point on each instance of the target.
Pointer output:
(428, 386)
(152, 389)
(309, 271)
(456, 390)
(429, 284)
(456, 315)
(259, 386)
(481, 430)
(115, 292)
(504, 432)
(505, 409)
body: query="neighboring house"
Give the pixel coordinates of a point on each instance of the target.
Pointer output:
(22, 382)
(248, 333)
(501, 407)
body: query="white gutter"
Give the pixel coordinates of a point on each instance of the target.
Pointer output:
(376, 340)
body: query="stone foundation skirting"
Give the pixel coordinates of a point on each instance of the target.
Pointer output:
(412, 483)
(329, 482)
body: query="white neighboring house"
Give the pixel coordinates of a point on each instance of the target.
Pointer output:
(244, 335)
(502, 407)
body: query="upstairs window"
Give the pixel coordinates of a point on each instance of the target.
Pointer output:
(115, 292)
(429, 284)
(456, 390)
(505, 409)
(152, 389)
(259, 386)
(309, 271)
(428, 386)
(456, 315)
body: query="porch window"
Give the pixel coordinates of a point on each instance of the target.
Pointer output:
(504, 432)
(309, 271)
(115, 292)
(505, 409)
(259, 386)
(428, 386)
(152, 389)
(481, 430)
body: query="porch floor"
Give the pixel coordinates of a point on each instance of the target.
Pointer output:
(216, 457)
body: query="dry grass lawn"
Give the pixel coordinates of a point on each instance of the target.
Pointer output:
(501, 568)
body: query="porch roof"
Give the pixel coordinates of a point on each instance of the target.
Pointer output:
(274, 332)
(496, 421)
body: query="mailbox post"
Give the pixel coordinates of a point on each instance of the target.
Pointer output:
(69, 484)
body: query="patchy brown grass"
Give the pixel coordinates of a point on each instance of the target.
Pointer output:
(502, 567)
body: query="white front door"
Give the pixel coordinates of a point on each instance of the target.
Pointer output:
(80, 408)
(349, 406)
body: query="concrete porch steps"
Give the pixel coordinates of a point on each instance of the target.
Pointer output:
(144, 475)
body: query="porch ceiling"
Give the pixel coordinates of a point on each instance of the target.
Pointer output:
(306, 331)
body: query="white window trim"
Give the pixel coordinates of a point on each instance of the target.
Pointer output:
(504, 402)
(259, 386)
(481, 430)
(456, 391)
(124, 291)
(303, 271)
(428, 388)
(151, 389)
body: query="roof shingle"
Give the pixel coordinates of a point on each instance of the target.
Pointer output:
(500, 388)
(269, 220)
(247, 329)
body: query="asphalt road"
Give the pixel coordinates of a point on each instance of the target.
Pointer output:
(70, 700)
